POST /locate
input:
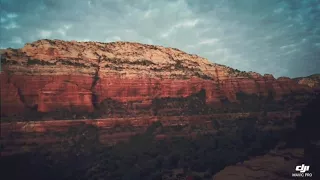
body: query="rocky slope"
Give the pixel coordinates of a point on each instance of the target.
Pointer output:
(311, 81)
(50, 75)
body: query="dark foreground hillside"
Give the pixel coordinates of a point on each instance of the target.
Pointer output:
(81, 156)
(301, 147)
(142, 157)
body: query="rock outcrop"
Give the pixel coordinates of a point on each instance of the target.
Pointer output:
(49, 75)
(278, 164)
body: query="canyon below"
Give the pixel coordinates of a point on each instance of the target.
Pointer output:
(125, 110)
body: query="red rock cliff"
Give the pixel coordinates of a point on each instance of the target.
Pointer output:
(47, 75)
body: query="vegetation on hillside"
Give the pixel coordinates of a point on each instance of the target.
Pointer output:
(39, 62)
(237, 72)
(194, 104)
(81, 156)
(116, 61)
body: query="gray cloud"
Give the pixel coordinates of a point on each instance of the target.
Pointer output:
(281, 37)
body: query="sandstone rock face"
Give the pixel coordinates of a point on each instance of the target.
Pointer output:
(62, 94)
(278, 164)
(47, 75)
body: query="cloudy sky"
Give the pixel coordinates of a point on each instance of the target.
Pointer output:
(281, 37)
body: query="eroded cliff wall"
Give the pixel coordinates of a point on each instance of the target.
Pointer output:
(50, 75)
